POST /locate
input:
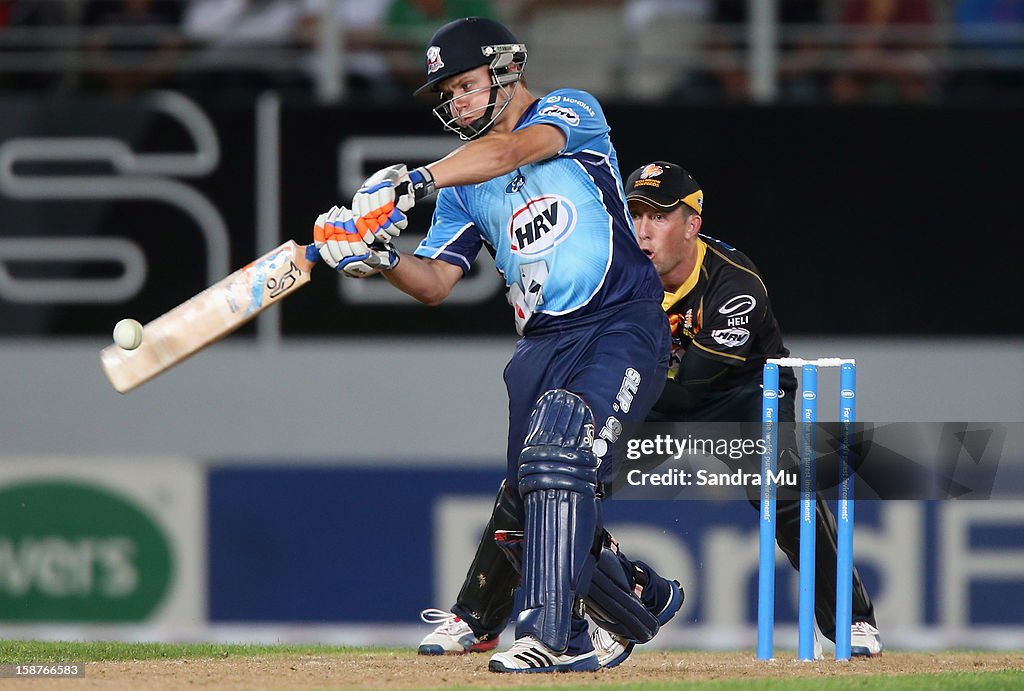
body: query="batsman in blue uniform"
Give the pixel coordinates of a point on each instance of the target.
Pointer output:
(536, 185)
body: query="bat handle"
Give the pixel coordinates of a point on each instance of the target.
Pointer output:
(312, 254)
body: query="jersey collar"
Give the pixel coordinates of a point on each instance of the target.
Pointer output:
(691, 280)
(527, 113)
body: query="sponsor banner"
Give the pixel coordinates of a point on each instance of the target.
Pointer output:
(330, 544)
(169, 194)
(344, 545)
(100, 541)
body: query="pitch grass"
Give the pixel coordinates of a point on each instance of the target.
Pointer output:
(19, 651)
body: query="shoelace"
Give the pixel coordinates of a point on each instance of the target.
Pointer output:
(448, 622)
(865, 628)
(524, 644)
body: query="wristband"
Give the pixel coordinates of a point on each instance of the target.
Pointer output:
(422, 183)
(394, 256)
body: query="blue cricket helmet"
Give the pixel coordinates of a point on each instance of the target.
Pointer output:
(466, 43)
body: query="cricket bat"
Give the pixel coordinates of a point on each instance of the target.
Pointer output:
(209, 316)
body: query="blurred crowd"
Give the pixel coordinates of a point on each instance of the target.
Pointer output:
(828, 51)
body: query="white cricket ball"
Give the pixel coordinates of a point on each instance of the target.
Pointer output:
(128, 334)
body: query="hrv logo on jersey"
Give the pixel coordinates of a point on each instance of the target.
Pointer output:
(567, 114)
(536, 228)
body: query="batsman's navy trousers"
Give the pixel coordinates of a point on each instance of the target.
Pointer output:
(595, 358)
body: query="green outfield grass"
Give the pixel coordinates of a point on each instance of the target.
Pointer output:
(23, 652)
(12, 652)
(975, 681)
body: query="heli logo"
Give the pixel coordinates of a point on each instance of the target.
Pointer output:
(543, 223)
(738, 306)
(434, 62)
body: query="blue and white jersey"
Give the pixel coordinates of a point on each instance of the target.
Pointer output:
(557, 229)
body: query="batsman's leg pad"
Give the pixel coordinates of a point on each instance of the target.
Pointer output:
(558, 484)
(612, 601)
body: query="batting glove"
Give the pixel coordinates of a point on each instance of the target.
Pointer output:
(336, 237)
(378, 258)
(380, 204)
(341, 246)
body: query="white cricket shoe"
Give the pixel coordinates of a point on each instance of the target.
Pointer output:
(528, 654)
(864, 640)
(611, 650)
(819, 652)
(452, 636)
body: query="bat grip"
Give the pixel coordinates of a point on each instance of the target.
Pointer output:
(312, 254)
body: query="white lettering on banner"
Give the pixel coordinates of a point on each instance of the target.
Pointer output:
(74, 252)
(962, 565)
(137, 176)
(895, 550)
(66, 567)
(890, 549)
(59, 567)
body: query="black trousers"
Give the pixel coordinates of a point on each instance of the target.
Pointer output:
(743, 404)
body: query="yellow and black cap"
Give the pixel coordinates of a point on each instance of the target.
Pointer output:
(665, 186)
